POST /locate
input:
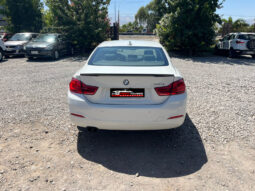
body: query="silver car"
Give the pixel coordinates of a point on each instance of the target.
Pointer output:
(15, 45)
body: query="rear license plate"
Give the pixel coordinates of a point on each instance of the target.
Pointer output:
(127, 93)
(34, 52)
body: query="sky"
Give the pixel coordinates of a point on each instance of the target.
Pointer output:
(236, 8)
(244, 9)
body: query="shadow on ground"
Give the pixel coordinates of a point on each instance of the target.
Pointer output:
(162, 154)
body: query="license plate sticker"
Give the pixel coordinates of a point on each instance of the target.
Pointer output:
(34, 52)
(139, 93)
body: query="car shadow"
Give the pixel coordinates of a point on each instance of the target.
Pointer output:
(161, 154)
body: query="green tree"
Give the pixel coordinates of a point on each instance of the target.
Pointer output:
(151, 14)
(190, 26)
(84, 22)
(22, 15)
(131, 26)
(239, 25)
(48, 19)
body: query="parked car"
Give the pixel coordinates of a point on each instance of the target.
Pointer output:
(5, 36)
(48, 45)
(237, 44)
(15, 45)
(128, 85)
(2, 49)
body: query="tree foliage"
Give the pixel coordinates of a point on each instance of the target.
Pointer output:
(131, 26)
(190, 25)
(22, 15)
(239, 25)
(85, 22)
(151, 14)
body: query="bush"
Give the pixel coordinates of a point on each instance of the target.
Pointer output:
(84, 22)
(190, 26)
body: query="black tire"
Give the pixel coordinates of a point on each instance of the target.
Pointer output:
(232, 53)
(1, 55)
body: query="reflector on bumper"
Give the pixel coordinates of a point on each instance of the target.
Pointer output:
(77, 115)
(174, 117)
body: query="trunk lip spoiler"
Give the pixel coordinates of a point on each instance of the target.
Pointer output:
(155, 75)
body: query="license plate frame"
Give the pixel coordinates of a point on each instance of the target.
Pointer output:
(127, 93)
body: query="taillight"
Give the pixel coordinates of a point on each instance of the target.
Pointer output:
(76, 86)
(239, 42)
(176, 88)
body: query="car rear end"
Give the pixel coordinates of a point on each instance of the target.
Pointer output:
(245, 44)
(126, 96)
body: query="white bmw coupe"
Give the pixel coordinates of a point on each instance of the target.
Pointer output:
(128, 85)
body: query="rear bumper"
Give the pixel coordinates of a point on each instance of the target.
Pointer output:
(128, 117)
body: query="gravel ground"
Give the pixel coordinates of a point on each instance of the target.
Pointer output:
(41, 150)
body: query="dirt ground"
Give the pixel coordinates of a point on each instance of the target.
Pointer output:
(41, 150)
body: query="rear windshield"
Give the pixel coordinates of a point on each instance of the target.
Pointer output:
(129, 56)
(247, 36)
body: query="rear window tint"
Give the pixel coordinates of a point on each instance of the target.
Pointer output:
(129, 56)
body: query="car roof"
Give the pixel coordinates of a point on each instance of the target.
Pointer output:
(141, 43)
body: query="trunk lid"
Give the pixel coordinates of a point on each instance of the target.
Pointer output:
(110, 77)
